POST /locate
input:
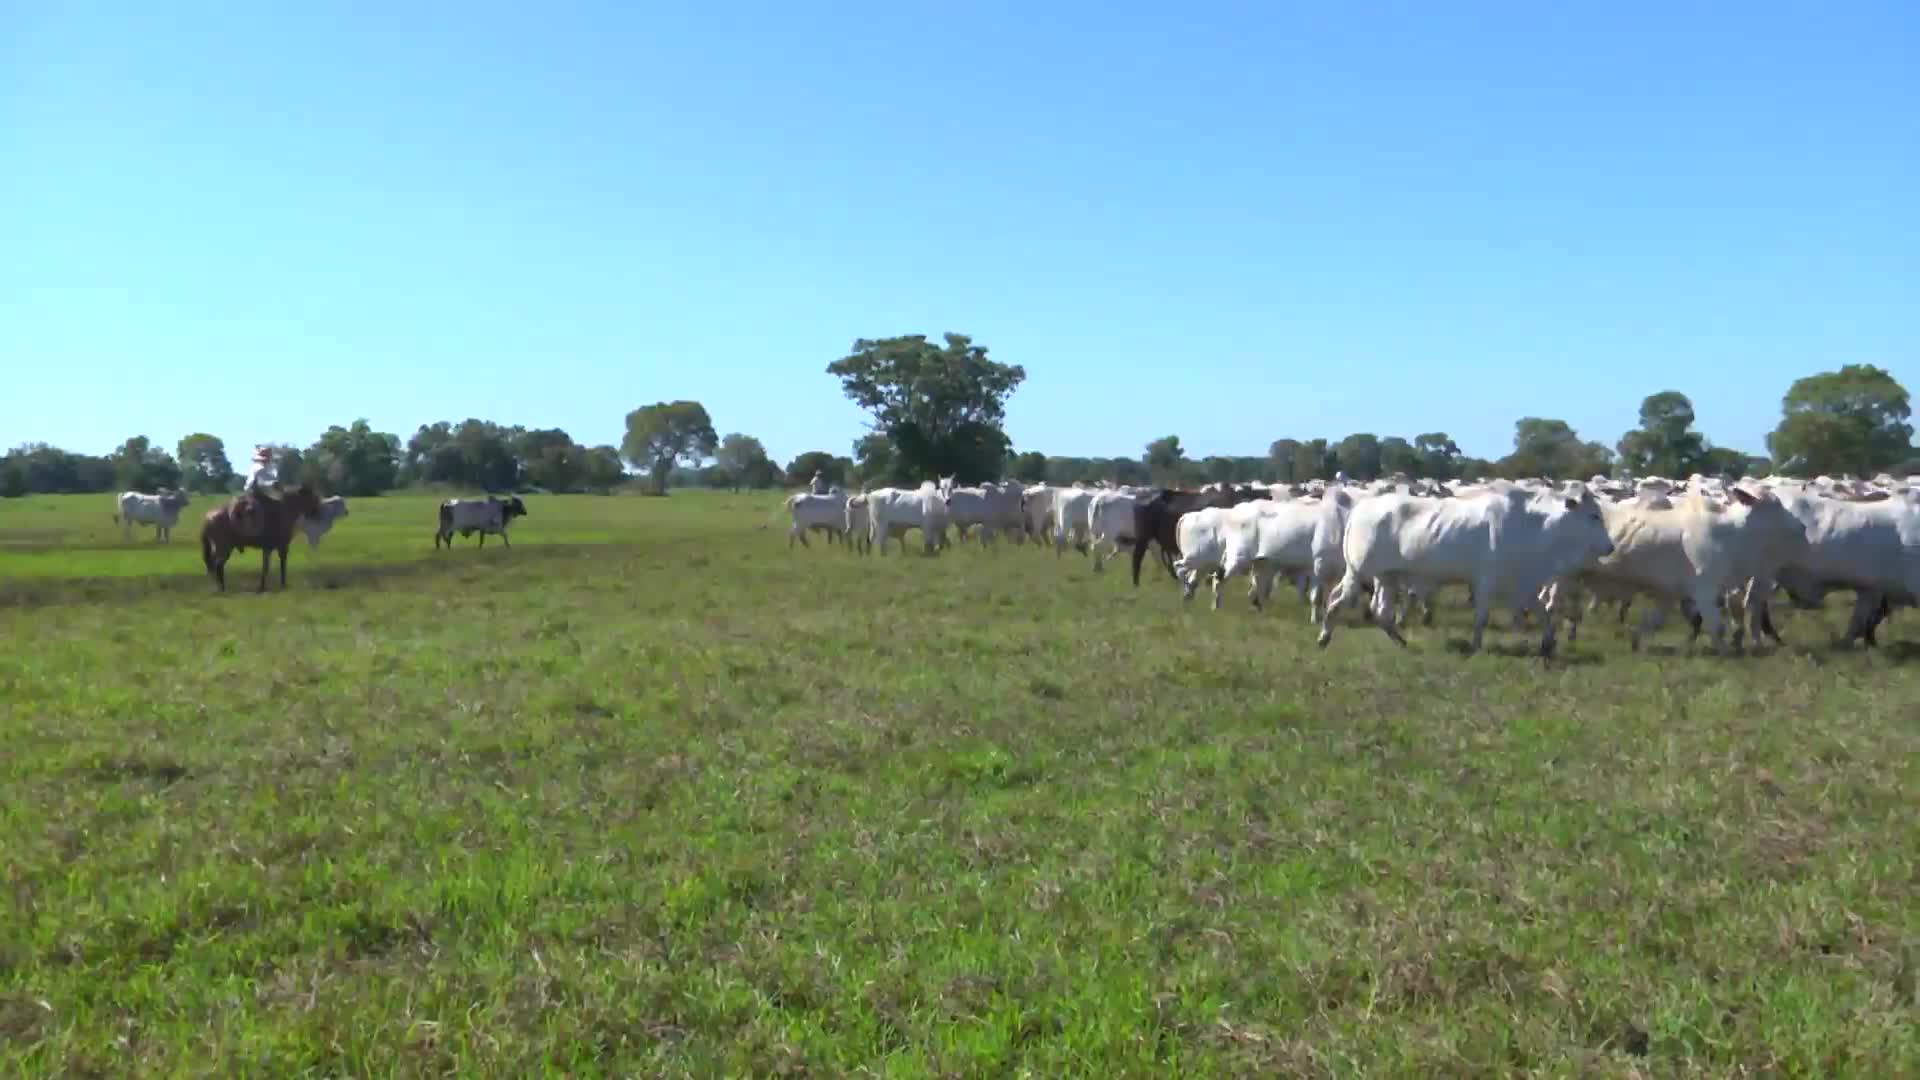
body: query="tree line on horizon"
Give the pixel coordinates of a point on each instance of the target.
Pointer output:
(939, 410)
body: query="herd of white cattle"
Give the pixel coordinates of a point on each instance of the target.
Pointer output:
(1721, 551)
(162, 511)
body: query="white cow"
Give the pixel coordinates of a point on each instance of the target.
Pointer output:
(994, 508)
(1506, 545)
(162, 511)
(332, 509)
(827, 513)
(1871, 546)
(483, 516)
(1070, 510)
(892, 511)
(1110, 523)
(859, 529)
(1697, 551)
(1037, 507)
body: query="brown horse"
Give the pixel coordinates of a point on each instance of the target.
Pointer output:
(226, 530)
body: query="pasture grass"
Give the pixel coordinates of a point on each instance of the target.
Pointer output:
(648, 794)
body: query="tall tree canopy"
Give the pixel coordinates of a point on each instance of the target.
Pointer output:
(1665, 443)
(941, 407)
(203, 463)
(1849, 421)
(1550, 448)
(665, 432)
(834, 470)
(138, 465)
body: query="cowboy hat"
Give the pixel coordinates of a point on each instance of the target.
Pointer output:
(263, 453)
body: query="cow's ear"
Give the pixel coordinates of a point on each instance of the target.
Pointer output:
(1746, 499)
(1573, 503)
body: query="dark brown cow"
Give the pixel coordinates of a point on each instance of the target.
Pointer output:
(1156, 517)
(226, 530)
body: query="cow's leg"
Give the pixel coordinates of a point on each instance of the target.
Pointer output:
(1219, 583)
(1139, 556)
(1337, 599)
(1261, 585)
(1650, 621)
(1865, 617)
(1548, 606)
(1708, 604)
(1385, 614)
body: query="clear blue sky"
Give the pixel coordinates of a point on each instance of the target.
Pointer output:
(1230, 222)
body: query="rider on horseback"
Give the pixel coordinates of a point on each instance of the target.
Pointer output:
(259, 478)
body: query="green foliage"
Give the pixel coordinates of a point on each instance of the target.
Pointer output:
(1439, 455)
(940, 406)
(1853, 420)
(1030, 467)
(746, 462)
(203, 463)
(354, 460)
(666, 432)
(138, 465)
(1359, 456)
(1285, 455)
(1665, 443)
(1551, 449)
(835, 470)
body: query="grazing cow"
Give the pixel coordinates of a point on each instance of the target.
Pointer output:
(269, 527)
(162, 511)
(483, 516)
(1507, 545)
(1157, 517)
(1070, 511)
(1698, 550)
(1110, 522)
(827, 513)
(892, 511)
(316, 524)
(859, 529)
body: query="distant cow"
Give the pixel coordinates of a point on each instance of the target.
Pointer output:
(1506, 545)
(315, 525)
(1156, 518)
(828, 513)
(483, 516)
(162, 511)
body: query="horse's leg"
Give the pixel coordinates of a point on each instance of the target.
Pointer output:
(266, 563)
(283, 566)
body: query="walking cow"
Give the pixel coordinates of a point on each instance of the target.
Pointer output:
(483, 516)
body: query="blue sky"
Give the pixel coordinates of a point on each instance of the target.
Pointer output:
(1243, 222)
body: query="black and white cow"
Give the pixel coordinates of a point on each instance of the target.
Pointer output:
(483, 516)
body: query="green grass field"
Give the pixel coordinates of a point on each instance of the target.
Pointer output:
(648, 794)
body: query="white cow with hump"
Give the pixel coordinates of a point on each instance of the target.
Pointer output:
(162, 511)
(892, 511)
(1037, 508)
(992, 508)
(825, 513)
(1697, 551)
(1070, 513)
(1506, 545)
(1110, 523)
(1870, 546)
(315, 526)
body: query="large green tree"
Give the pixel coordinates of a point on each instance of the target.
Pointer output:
(665, 432)
(600, 468)
(1030, 467)
(1285, 455)
(831, 469)
(940, 406)
(1439, 455)
(1359, 455)
(1164, 458)
(203, 463)
(1853, 420)
(1665, 443)
(1552, 449)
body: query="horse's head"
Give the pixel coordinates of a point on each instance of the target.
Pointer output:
(301, 501)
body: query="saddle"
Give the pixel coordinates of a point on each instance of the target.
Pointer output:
(252, 512)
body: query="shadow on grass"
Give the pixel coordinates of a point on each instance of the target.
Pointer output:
(243, 576)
